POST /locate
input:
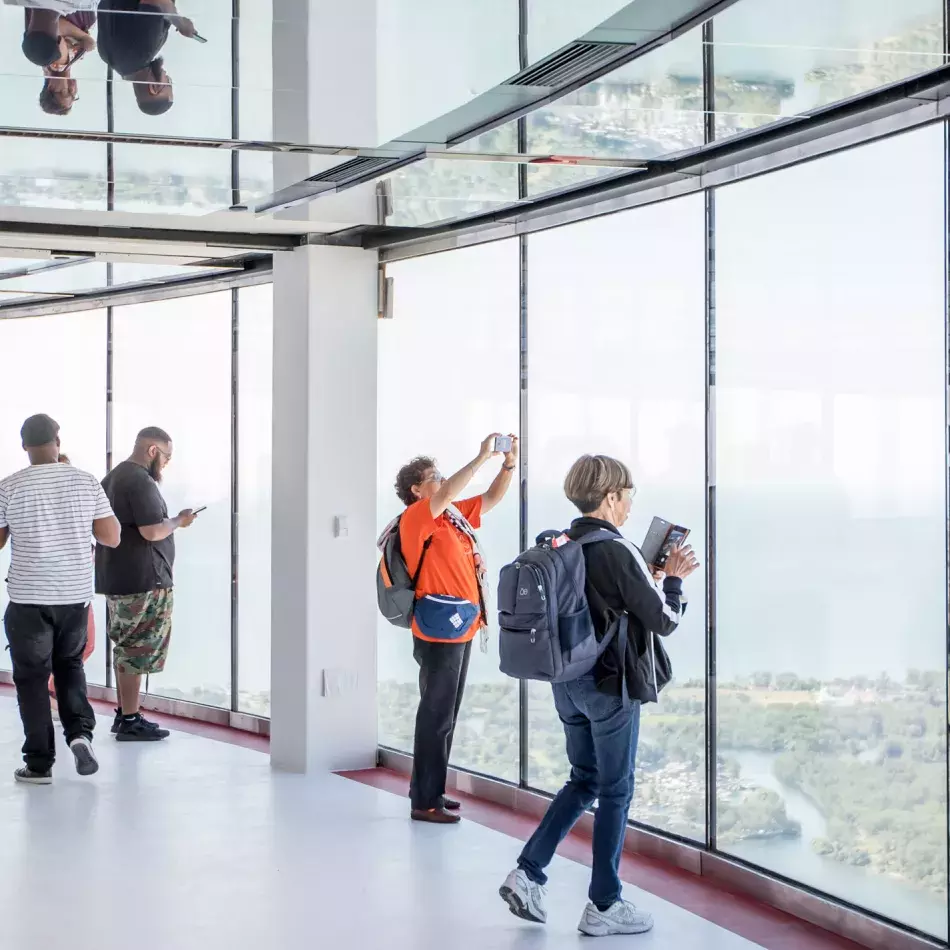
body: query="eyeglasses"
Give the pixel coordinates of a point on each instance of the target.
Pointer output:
(434, 477)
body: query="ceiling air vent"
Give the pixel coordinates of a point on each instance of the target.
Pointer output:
(568, 64)
(354, 168)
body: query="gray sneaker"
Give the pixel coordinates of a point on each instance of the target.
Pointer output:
(524, 898)
(621, 918)
(86, 761)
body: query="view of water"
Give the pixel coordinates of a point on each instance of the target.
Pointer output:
(794, 858)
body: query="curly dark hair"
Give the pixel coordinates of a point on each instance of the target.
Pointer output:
(412, 474)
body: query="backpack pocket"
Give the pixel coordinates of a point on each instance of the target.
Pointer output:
(525, 647)
(575, 632)
(442, 617)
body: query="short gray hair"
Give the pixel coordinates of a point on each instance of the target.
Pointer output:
(592, 478)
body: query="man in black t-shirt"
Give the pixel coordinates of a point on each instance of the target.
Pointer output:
(137, 577)
(131, 36)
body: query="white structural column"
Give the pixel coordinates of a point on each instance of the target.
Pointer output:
(323, 614)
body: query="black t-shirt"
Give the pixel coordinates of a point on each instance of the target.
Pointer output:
(136, 566)
(131, 35)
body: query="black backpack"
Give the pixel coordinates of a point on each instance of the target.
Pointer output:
(547, 632)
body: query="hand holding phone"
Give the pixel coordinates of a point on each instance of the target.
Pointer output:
(503, 444)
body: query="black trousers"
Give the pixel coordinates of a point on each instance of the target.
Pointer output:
(44, 641)
(442, 671)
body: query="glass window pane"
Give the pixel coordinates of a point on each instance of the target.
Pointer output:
(777, 58)
(255, 427)
(172, 180)
(831, 526)
(434, 56)
(200, 74)
(53, 174)
(23, 81)
(617, 363)
(172, 368)
(439, 189)
(73, 391)
(256, 67)
(448, 375)
(650, 107)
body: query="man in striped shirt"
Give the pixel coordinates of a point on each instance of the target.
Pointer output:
(49, 512)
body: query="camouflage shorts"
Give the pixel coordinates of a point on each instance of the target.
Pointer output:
(140, 626)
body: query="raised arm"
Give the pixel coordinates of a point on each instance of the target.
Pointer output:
(453, 486)
(496, 491)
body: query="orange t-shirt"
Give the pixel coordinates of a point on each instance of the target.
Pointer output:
(449, 565)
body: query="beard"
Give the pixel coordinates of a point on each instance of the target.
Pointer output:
(154, 468)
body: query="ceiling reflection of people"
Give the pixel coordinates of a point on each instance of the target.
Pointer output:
(56, 40)
(131, 36)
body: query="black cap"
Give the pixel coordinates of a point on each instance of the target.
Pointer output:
(40, 48)
(39, 430)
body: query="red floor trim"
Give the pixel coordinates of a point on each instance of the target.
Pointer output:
(770, 928)
(207, 730)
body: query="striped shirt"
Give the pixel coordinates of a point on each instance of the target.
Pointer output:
(49, 510)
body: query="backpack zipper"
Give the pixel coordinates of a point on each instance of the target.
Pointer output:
(538, 581)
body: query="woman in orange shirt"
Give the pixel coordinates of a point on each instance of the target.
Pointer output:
(437, 536)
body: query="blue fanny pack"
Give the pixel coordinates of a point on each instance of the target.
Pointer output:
(442, 617)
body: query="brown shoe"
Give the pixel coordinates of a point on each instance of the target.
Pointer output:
(435, 816)
(449, 804)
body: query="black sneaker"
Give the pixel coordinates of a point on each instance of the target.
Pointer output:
(29, 777)
(117, 721)
(140, 729)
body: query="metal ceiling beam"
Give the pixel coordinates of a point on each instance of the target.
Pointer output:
(29, 270)
(870, 117)
(248, 145)
(237, 240)
(633, 31)
(257, 271)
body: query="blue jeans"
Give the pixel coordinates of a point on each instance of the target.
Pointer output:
(602, 748)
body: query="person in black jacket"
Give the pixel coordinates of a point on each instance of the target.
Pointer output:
(601, 711)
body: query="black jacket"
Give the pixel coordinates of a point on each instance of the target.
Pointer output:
(616, 583)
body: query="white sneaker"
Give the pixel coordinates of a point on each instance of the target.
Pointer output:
(621, 918)
(524, 898)
(86, 761)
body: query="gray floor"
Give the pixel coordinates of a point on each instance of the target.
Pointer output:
(193, 843)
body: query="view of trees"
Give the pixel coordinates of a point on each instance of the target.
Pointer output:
(869, 752)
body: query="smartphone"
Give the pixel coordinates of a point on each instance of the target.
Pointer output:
(199, 38)
(197, 511)
(502, 443)
(660, 540)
